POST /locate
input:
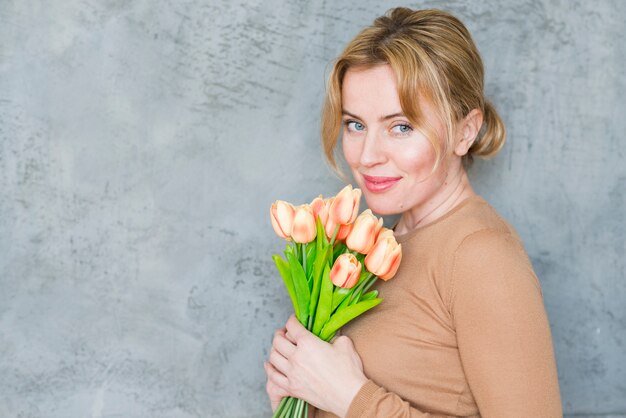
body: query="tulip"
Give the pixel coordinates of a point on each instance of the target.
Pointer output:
(282, 214)
(346, 271)
(384, 258)
(344, 230)
(345, 206)
(364, 232)
(320, 208)
(303, 229)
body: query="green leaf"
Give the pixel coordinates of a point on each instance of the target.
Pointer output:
(303, 294)
(339, 295)
(321, 239)
(311, 252)
(325, 302)
(369, 295)
(285, 273)
(318, 269)
(345, 301)
(345, 315)
(339, 249)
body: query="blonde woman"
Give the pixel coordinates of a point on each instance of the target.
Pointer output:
(462, 330)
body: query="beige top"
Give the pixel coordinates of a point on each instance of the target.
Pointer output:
(462, 330)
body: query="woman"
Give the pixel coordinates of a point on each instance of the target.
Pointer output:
(462, 330)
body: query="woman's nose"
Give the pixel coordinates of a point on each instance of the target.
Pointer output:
(372, 153)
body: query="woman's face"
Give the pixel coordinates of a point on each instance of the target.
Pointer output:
(390, 160)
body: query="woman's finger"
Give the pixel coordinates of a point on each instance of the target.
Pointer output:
(279, 362)
(284, 346)
(295, 330)
(290, 337)
(277, 379)
(274, 391)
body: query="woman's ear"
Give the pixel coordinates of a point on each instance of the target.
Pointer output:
(468, 129)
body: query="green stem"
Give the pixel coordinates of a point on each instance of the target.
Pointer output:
(369, 284)
(359, 288)
(281, 407)
(299, 408)
(288, 411)
(332, 241)
(304, 259)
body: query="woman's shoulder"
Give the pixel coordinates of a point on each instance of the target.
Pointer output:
(479, 215)
(482, 243)
(477, 228)
(472, 219)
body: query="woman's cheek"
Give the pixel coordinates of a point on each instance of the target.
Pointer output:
(352, 152)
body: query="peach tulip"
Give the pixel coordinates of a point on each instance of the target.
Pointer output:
(345, 206)
(282, 214)
(384, 258)
(346, 271)
(320, 208)
(303, 229)
(364, 232)
(344, 230)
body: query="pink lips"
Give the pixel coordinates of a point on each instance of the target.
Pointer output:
(378, 184)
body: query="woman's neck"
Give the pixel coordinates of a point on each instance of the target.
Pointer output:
(454, 191)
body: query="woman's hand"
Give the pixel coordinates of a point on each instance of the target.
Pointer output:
(328, 376)
(275, 392)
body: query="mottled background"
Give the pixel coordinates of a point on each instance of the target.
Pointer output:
(141, 144)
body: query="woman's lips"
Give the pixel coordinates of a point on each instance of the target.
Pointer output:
(378, 184)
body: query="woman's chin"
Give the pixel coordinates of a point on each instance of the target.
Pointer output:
(381, 207)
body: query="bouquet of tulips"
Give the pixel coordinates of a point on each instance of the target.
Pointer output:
(328, 244)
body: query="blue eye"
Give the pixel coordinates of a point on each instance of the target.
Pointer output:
(355, 126)
(402, 129)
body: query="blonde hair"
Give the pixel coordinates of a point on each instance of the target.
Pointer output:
(434, 57)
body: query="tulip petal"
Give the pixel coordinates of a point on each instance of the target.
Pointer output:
(303, 230)
(342, 206)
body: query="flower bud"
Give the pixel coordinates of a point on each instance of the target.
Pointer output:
(345, 206)
(303, 229)
(364, 232)
(281, 215)
(346, 271)
(384, 258)
(320, 208)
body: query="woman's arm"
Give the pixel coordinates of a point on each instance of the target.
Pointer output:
(373, 401)
(502, 328)
(503, 336)
(329, 376)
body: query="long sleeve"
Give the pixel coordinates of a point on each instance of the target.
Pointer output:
(373, 401)
(502, 329)
(462, 330)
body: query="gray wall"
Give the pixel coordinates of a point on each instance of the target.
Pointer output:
(141, 144)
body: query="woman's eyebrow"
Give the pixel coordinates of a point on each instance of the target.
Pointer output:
(393, 115)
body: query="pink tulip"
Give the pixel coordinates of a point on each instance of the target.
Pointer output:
(364, 232)
(282, 214)
(346, 271)
(345, 206)
(320, 208)
(384, 258)
(303, 229)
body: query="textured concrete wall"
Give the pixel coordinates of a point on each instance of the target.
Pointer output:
(141, 144)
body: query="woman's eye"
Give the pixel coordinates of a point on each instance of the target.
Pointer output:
(355, 126)
(402, 129)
